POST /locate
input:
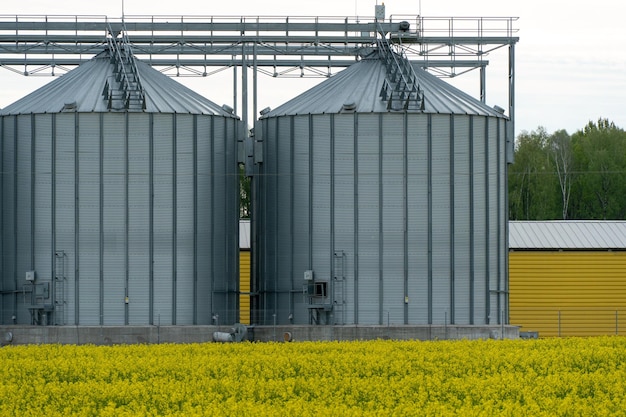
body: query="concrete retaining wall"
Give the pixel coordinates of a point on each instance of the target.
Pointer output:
(107, 335)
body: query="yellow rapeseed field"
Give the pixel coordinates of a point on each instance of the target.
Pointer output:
(545, 377)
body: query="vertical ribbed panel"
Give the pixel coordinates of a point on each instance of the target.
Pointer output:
(8, 216)
(417, 177)
(88, 179)
(392, 177)
(283, 221)
(492, 216)
(65, 214)
(320, 198)
(479, 238)
(204, 230)
(184, 219)
(138, 218)
(23, 217)
(163, 218)
(301, 212)
(568, 293)
(462, 241)
(114, 218)
(441, 218)
(368, 210)
(344, 221)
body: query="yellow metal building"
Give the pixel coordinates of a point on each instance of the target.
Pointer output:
(244, 271)
(568, 278)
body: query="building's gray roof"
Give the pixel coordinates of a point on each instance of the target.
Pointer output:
(84, 86)
(360, 84)
(570, 234)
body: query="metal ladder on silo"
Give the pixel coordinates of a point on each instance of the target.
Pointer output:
(339, 287)
(400, 89)
(126, 87)
(59, 288)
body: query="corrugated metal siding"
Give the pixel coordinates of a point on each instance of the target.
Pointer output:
(479, 241)
(393, 217)
(568, 293)
(163, 219)
(88, 177)
(114, 218)
(244, 286)
(440, 208)
(205, 199)
(84, 85)
(185, 219)
(462, 220)
(345, 225)
(65, 215)
(361, 83)
(356, 208)
(417, 186)
(567, 234)
(301, 226)
(369, 182)
(83, 187)
(139, 219)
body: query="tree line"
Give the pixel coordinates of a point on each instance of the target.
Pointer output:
(560, 176)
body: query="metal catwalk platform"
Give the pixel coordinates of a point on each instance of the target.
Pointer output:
(274, 46)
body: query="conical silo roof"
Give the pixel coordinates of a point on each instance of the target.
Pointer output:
(82, 90)
(359, 86)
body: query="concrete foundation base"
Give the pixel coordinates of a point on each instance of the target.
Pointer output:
(108, 335)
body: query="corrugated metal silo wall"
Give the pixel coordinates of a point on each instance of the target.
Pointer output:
(402, 214)
(134, 213)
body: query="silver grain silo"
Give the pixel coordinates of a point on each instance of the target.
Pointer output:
(119, 201)
(381, 199)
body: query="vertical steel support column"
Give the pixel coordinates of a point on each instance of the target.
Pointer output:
(310, 202)
(511, 129)
(254, 86)
(483, 83)
(244, 85)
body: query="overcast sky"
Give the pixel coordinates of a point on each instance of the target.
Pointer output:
(570, 60)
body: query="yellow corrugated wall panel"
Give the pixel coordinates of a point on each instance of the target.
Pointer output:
(568, 293)
(244, 286)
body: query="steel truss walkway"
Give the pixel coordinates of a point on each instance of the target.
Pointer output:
(275, 46)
